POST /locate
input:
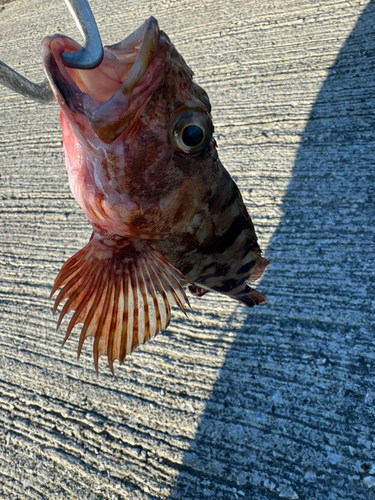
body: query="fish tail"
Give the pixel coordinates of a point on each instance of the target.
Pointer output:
(122, 291)
(251, 297)
(258, 269)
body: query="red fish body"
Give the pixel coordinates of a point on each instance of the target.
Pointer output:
(143, 166)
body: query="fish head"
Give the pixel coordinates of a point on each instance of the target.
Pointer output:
(122, 94)
(141, 112)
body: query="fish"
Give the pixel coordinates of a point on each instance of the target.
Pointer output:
(143, 165)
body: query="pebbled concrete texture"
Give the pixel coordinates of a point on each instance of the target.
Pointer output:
(273, 402)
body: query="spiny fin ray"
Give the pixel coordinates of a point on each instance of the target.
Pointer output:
(122, 291)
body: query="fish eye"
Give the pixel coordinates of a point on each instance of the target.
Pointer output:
(191, 132)
(192, 135)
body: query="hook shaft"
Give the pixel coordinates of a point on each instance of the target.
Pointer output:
(91, 55)
(39, 92)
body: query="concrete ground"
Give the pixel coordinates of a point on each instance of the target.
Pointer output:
(273, 402)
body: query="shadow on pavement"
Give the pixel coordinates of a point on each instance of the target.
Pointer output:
(291, 414)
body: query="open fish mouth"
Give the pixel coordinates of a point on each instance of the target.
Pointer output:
(110, 95)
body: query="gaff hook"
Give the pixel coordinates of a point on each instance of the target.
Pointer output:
(89, 57)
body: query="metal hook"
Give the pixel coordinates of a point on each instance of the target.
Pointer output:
(39, 92)
(89, 57)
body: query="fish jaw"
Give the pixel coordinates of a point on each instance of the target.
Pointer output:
(101, 103)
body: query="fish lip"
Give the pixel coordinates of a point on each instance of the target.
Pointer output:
(146, 52)
(69, 93)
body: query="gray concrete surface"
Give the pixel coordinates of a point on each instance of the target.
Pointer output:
(274, 402)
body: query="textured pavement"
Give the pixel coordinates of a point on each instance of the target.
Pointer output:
(231, 403)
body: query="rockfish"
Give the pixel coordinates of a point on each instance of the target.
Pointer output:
(143, 166)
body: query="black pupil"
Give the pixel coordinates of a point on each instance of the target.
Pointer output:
(192, 135)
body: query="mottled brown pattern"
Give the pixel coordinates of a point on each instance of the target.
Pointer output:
(136, 181)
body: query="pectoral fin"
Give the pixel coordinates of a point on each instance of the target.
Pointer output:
(122, 291)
